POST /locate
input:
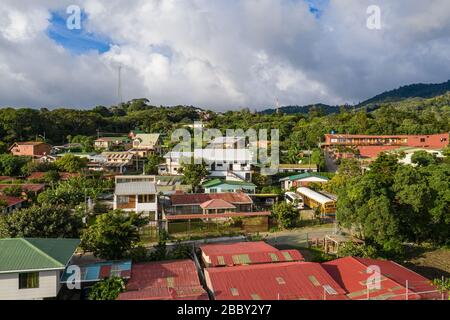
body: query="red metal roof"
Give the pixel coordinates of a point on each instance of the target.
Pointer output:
(273, 281)
(199, 198)
(351, 274)
(25, 187)
(217, 216)
(167, 280)
(217, 204)
(246, 253)
(62, 175)
(12, 201)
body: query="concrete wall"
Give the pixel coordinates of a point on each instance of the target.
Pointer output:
(48, 286)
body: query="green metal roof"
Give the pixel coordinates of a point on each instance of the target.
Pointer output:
(304, 176)
(21, 254)
(217, 182)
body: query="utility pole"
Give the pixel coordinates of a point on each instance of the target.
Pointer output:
(278, 106)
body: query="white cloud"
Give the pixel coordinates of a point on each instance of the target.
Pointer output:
(223, 54)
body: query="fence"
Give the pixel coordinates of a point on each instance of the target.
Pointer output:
(218, 227)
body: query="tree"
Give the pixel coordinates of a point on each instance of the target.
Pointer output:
(193, 174)
(114, 234)
(423, 158)
(44, 221)
(71, 163)
(351, 249)
(443, 286)
(107, 289)
(12, 165)
(13, 191)
(286, 214)
(151, 166)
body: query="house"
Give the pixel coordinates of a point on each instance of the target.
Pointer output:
(165, 280)
(119, 162)
(273, 281)
(107, 143)
(297, 168)
(168, 185)
(63, 176)
(27, 188)
(33, 149)
(229, 164)
(9, 204)
(137, 194)
(173, 162)
(221, 186)
(301, 180)
(32, 268)
(208, 203)
(145, 144)
(245, 253)
(396, 282)
(370, 146)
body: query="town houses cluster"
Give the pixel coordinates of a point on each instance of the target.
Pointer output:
(228, 198)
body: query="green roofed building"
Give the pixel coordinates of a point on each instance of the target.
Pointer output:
(302, 180)
(32, 268)
(223, 186)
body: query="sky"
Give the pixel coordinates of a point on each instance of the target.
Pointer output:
(218, 54)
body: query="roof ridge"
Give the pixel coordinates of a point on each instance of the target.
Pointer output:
(381, 273)
(40, 251)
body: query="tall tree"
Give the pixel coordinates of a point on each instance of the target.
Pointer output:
(113, 235)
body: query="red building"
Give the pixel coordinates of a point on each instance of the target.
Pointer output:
(396, 281)
(273, 281)
(33, 149)
(370, 146)
(165, 280)
(245, 253)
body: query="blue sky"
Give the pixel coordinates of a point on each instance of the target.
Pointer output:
(76, 41)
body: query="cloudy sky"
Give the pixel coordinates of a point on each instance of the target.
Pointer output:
(218, 54)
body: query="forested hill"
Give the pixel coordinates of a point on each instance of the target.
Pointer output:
(419, 90)
(324, 108)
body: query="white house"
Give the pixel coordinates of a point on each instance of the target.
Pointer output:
(136, 193)
(31, 269)
(229, 164)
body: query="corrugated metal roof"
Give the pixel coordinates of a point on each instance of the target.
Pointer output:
(305, 176)
(314, 195)
(217, 216)
(166, 280)
(247, 253)
(274, 281)
(351, 273)
(98, 271)
(217, 204)
(135, 188)
(21, 254)
(199, 198)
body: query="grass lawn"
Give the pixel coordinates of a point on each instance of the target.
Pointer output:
(430, 262)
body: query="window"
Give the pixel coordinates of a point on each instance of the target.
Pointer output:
(213, 190)
(29, 280)
(146, 198)
(422, 140)
(123, 199)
